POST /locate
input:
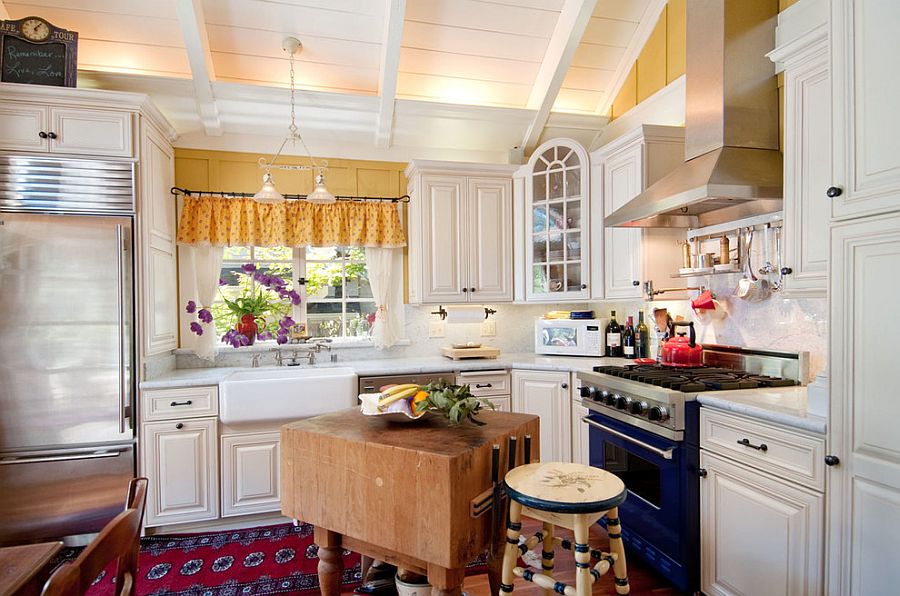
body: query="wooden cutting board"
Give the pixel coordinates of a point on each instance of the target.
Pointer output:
(463, 353)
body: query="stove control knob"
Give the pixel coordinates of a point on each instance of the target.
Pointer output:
(588, 392)
(639, 407)
(623, 403)
(658, 414)
(612, 398)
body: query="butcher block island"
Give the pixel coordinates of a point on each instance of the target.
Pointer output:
(398, 492)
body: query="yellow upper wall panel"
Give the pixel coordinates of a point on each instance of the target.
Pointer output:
(782, 4)
(676, 39)
(627, 97)
(651, 63)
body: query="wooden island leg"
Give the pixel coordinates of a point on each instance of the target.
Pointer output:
(446, 582)
(331, 563)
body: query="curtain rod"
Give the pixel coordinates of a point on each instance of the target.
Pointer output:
(175, 190)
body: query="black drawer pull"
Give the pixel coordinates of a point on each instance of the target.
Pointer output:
(760, 447)
(42, 134)
(181, 403)
(179, 426)
(482, 385)
(832, 460)
(52, 135)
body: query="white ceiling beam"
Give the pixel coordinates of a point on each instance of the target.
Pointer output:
(567, 34)
(196, 44)
(395, 10)
(632, 51)
(4, 14)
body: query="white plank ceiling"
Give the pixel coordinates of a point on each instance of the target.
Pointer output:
(421, 75)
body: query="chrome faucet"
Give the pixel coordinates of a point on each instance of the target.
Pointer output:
(279, 357)
(254, 363)
(310, 355)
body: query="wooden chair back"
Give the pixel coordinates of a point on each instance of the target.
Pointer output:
(119, 540)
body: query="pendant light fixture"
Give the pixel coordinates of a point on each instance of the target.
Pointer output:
(268, 193)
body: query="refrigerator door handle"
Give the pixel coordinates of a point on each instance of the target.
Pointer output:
(68, 456)
(120, 318)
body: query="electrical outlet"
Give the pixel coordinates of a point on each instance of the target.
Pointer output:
(489, 328)
(436, 329)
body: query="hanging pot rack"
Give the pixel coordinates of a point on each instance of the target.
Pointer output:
(176, 191)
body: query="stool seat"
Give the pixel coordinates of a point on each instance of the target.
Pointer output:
(560, 487)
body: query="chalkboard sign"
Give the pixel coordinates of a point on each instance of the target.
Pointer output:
(33, 51)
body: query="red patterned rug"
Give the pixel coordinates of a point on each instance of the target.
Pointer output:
(264, 560)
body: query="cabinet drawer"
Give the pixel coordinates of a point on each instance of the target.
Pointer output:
(186, 402)
(501, 404)
(792, 455)
(486, 383)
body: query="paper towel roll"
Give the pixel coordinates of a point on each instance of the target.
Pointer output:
(465, 314)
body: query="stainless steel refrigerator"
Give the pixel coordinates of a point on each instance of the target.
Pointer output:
(66, 345)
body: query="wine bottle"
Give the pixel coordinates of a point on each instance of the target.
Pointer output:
(642, 337)
(628, 343)
(613, 337)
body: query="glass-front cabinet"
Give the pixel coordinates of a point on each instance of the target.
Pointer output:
(556, 223)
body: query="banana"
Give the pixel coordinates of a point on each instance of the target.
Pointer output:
(389, 399)
(398, 388)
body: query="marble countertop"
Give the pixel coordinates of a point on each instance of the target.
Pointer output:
(783, 405)
(192, 377)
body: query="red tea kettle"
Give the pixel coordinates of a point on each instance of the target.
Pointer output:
(679, 350)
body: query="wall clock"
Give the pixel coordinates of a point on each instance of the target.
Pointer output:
(35, 52)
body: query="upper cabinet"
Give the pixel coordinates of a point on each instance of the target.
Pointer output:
(866, 122)
(460, 232)
(624, 258)
(803, 53)
(557, 223)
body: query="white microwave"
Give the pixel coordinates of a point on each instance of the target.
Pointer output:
(570, 337)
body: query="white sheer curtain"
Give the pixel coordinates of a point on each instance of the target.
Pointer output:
(385, 266)
(199, 271)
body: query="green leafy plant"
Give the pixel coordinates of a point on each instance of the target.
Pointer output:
(455, 402)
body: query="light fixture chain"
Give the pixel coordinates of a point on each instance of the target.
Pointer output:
(293, 126)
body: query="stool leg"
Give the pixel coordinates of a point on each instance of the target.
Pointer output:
(620, 570)
(513, 530)
(547, 553)
(582, 556)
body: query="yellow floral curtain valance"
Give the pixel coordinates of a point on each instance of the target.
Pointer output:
(221, 221)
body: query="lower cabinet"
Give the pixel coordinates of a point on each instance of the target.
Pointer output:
(250, 473)
(581, 451)
(181, 459)
(546, 394)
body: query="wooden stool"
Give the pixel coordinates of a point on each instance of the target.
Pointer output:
(573, 496)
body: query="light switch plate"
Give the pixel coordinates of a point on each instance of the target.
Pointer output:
(436, 329)
(488, 327)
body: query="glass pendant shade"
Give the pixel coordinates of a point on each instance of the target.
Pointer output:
(320, 194)
(268, 194)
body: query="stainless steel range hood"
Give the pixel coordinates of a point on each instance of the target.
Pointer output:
(733, 168)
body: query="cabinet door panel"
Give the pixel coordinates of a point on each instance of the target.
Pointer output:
(250, 473)
(580, 446)
(21, 126)
(546, 394)
(867, 122)
(92, 132)
(444, 271)
(489, 204)
(182, 465)
(622, 181)
(759, 536)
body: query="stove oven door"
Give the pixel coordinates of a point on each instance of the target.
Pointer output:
(652, 469)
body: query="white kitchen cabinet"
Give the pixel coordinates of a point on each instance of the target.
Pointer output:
(546, 394)
(759, 535)
(556, 226)
(624, 258)
(866, 122)
(803, 52)
(460, 233)
(29, 126)
(159, 294)
(580, 445)
(180, 458)
(501, 404)
(863, 484)
(250, 473)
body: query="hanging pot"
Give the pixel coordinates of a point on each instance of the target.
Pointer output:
(680, 349)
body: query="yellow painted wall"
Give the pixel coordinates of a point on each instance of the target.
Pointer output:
(660, 62)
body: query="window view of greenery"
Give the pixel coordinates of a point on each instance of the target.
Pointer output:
(336, 300)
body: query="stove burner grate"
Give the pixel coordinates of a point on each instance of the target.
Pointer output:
(692, 380)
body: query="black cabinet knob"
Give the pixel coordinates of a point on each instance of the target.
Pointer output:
(834, 191)
(179, 426)
(635, 283)
(42, 134)
(583, 286)
(465, 290)
(832, 460)
(52, 135)
(786, 270)
(565, 385)
(701, 472)
(472, 290)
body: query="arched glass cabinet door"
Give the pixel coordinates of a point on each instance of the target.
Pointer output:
(556, 222)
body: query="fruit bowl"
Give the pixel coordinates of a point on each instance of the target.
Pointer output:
(369, 407)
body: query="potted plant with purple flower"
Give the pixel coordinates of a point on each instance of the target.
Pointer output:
(261, 310)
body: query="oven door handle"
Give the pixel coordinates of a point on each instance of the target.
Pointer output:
(663, 453)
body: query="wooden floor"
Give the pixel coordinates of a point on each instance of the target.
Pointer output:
(644, 581)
